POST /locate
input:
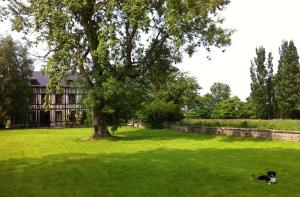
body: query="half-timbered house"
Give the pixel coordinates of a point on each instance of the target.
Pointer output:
(63, 108)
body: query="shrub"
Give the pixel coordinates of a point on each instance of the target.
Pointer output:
(157, 112)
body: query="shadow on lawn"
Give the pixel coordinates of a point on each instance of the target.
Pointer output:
(160, 172)
(157, 134)
(168, 134)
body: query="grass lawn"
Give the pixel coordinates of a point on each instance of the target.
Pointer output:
(276, 124)
(141, 162)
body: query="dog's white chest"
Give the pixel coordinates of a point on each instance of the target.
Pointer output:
(272, 180)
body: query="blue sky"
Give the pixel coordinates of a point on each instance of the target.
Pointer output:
(257, 23)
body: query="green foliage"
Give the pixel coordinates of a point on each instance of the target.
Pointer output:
(179, 88)
(248, 109)
(15, 70)
(262, 86)
(288, 81)
(220, 92)
(114, 42)
(228, 109)
(119, 101)
(205, 106)
(157, 112)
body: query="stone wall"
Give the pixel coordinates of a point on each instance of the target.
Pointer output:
(239, 132)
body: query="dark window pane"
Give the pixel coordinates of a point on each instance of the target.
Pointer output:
(72, 99)
(34, 82)
(58, 116)
(58, 99)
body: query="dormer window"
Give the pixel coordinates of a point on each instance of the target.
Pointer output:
(34, 82)
(69, 82)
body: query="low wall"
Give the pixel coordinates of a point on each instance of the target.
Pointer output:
(239, 132)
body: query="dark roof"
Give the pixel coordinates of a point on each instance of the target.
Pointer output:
(42, 80)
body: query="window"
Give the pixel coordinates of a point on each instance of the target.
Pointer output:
(58, 116)
(69, 82)
(58, 99)
(72, 99)
(72, 116)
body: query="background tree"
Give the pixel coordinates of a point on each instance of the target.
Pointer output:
(179, 88)
(248, 109)
(270, 86)
(15, 70)
(228, 109)
(204, 106)
(116, 43)
(169, 99)
(220, 92)
(262, 88)
(288, 81)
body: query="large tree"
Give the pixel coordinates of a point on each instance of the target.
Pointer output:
(262, 88)
(15, 70)
(270, 86)
(288, 81)
(115, 43)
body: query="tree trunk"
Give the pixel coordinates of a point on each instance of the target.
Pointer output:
(100, 127)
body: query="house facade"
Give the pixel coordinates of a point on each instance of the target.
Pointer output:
(63, 108)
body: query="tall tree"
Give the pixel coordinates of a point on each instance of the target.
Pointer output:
(115, 43)
(288, 81)
(15, 70)
(270, 86)
(259, 77)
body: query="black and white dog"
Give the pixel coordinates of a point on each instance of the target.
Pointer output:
(269, 178)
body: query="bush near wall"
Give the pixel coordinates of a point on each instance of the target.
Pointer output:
(157, 112)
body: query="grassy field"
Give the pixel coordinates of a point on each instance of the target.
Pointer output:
(288, 125)
(141, 162)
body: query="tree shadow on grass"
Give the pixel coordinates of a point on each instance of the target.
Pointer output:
(160, 172)
(169, 134)
(157, 134)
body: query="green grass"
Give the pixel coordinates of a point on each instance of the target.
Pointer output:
(141, 162)
(287, 125)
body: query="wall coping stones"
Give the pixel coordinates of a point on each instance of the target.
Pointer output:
(239, 132)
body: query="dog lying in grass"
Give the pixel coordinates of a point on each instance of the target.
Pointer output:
(269, 178)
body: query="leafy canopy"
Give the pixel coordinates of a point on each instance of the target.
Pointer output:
(15, 70)
(118, 43)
